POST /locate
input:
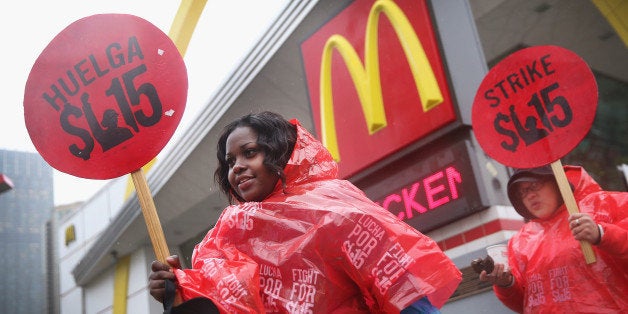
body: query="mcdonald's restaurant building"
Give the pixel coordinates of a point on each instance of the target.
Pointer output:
(388, 86)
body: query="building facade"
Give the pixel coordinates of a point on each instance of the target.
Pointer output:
(427, 166)
(24, 211)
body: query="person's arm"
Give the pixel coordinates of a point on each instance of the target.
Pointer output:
(510, 296)
(614, 239)
(610, 232)
(505, 287)
(615, 235)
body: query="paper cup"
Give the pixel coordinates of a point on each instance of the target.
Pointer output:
(499, 254)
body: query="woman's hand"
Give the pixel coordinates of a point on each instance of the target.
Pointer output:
(584, 228)
(159, 273)
(498, 276)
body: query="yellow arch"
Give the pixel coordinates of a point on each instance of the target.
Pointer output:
(616, 13)
(366, 77)
(121, 285)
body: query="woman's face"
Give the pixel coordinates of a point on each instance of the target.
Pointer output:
(248, 175)
(541, 198)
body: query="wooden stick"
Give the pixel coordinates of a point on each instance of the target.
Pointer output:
(181, 31)
(149, 211)
(572, 206)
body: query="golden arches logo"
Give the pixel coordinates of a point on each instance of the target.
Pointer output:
(366, 77)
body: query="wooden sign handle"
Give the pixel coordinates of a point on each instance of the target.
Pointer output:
(572, 206)
(149, 211)
(181, 31)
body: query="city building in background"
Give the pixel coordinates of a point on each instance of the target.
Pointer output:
(425, 166)
(24, 211)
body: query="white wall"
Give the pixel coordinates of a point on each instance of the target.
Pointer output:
(99, 293)
(88, 221)
(139, 299)
(72, 302)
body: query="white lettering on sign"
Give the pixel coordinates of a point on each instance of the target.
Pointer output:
(364, 237)
(536, 292)
(241, 216)
(269, 271)
(212, 266)
(559, 283)
(230, 289)
(309, 276)
(390, 267)
(303, 293)
(271, 285)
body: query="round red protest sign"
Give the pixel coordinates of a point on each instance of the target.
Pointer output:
(535, 106)
(105, 96)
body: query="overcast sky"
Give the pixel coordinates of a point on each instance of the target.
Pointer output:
(28, 26)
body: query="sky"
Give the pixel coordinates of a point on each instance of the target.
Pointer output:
(28, 26)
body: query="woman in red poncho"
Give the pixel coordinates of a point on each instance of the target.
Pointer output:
(548, 272)
(299, 240)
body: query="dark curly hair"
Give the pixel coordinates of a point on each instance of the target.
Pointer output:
(275, 135)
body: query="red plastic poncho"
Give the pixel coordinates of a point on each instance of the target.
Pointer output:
(551, 274)
(319, 247)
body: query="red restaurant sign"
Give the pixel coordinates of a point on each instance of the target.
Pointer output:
(376, 81)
